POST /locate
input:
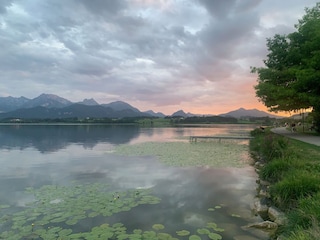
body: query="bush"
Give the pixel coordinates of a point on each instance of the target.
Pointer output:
(268, 145)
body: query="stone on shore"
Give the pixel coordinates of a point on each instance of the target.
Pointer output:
(266, 225)
(277, 216)
(261, 208)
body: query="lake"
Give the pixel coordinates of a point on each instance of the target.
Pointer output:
(125, 182)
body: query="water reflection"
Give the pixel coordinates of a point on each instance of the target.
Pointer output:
(33, 156)
(49, 138)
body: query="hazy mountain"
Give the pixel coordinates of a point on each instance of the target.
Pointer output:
(89, 102)
(181, 113)
(72, 111)
(154, 114)
(53, 106)
(31, 113)
(11, 103)
(241, 112)
(84, 111)
(119, 106)
(48, 101)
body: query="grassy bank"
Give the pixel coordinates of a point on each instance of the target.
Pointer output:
(293, 169)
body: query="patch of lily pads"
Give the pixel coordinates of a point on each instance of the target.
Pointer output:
(57, 212)
(215, 154)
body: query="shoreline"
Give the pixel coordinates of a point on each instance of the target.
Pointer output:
(289, 183)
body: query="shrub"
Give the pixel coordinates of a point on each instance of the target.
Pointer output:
(268, 145)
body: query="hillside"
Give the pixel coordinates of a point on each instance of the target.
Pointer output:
(50, 106)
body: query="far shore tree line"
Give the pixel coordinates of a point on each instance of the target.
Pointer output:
(152, 121)
(290, 80)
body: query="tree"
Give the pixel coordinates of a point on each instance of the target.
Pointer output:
(290, 80)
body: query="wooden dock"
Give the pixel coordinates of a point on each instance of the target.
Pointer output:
(194, 138)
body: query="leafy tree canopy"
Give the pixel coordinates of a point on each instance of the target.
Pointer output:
(290, 80)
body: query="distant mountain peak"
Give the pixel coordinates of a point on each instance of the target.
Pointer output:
(154, 114)
(181, 113)
(120, 105)
(242, 112)
(47, 100)
(89, 102)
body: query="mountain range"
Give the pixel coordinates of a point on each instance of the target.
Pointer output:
(50, 106)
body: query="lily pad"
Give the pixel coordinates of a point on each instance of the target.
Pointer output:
(183, 154)
(157, 226)
(194, 237)
(203, 231)
(2, 206)
(215, 236)
(212, 225)
(183, 233)
(164, 236)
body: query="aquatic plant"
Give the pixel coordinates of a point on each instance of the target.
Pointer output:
(57, 210)
(183, 233)
(55, 206)
(224, 154)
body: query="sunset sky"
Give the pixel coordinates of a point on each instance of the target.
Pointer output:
(163, 55)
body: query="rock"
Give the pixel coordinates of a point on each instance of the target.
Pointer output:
(264, 193)
(261, 208)
(259, 164)
(264, 183)
(277, 216)
(266, 225)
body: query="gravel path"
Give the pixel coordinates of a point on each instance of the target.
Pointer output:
(315, 140)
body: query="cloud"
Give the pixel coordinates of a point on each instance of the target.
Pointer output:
(166, 55)
(4, 4)
(102, 7)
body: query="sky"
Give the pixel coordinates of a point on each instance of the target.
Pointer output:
(160, 55)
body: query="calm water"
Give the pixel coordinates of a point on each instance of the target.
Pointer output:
(190, 197)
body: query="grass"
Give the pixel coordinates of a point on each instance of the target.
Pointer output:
(293, 169)
(295, 185)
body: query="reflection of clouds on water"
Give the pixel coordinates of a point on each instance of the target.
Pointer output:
(186, 192)
(52, 138)
(195, 219)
